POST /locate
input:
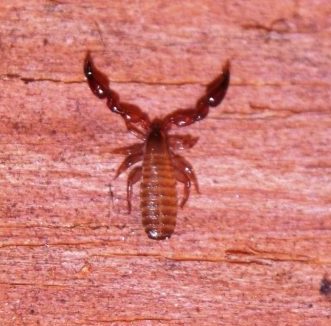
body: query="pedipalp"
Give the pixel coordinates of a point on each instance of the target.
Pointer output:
(99, 84)
(215, 93)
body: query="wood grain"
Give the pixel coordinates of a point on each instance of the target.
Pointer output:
(252, 249)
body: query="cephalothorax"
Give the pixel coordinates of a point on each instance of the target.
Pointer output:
(161, 166)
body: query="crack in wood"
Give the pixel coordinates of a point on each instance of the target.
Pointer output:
(130, 320)
(27, 80)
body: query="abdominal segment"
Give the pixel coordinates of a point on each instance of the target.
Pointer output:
(158, 196)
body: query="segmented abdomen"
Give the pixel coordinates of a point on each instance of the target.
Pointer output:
(158, 196)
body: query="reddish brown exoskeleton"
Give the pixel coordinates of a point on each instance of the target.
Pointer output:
(161, 167)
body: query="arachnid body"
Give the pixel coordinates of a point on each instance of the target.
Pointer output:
(161, 166)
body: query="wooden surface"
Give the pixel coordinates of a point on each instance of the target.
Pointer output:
(252, 249)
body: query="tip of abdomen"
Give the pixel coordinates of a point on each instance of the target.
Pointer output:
(159, 224)
(158, 234)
